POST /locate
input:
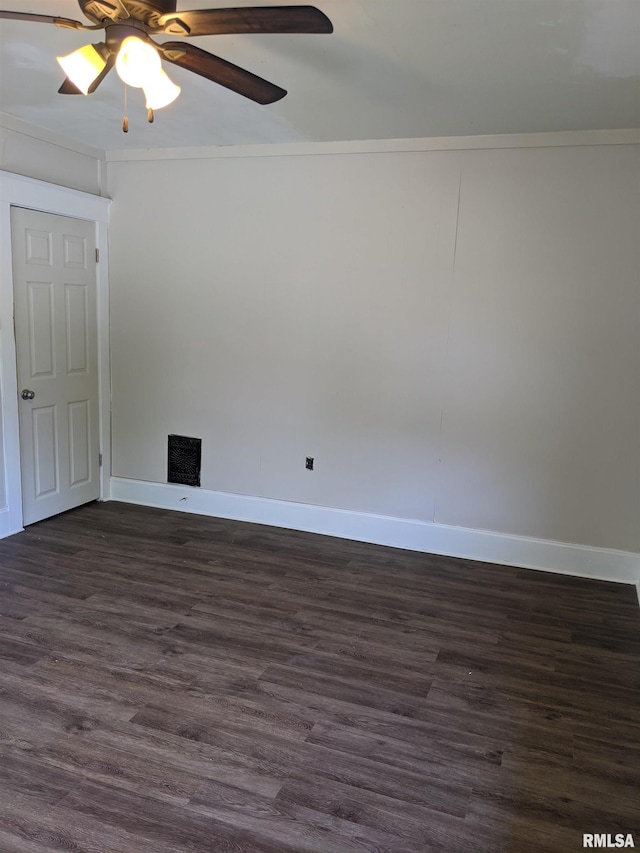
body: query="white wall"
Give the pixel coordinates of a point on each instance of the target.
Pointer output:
(39, 153)
(453, 335)
(541, 427)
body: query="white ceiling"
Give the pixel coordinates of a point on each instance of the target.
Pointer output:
(391, 69)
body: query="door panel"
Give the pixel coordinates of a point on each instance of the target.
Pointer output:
(45, 439)
(79, 442)
(40, 318)
(39, 247)
(56, 345)
(76, 328)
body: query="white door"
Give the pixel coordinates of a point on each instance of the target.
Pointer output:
(54, 271)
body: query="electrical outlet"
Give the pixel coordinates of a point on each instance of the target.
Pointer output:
(309, 463)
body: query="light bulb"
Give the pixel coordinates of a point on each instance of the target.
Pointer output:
(82, 66)
(137, 62)
(160, 91)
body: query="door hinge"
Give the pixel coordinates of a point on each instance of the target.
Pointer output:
(97, 255)
(99, 460)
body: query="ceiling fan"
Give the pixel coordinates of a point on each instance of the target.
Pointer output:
(129, 25)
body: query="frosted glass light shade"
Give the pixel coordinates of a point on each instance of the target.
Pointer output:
(82, 66)
(137, 62)
(160, 91)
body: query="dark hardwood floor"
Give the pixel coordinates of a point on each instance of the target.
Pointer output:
(177, 684)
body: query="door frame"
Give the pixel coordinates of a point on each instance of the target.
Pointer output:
(20, 191)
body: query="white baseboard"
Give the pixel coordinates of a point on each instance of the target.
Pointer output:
(8, 524)
(482, 545)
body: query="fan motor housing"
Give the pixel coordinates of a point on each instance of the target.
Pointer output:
(147, 11)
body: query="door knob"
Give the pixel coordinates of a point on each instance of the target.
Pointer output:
(27, 395)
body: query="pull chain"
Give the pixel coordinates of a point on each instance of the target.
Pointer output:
(125, 120)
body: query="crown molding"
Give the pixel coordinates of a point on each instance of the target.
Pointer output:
(560, 139)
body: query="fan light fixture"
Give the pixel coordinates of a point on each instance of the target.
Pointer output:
(138, 65)
(83, 66)
(160, 91)
(137, 62)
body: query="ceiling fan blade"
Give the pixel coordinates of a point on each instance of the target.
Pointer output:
(257, 19)
(67, 23)
(222, 72)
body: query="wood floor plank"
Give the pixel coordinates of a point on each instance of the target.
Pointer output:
(429, 757)
(174, 683)
(287, 823)
(194, 756)
(166, 824)
(414, 825)
(75, 758)
(24, 773)
(30, 828)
